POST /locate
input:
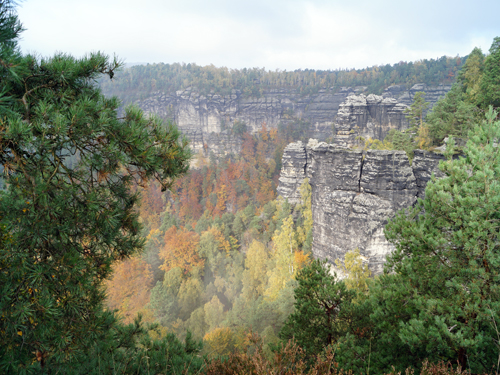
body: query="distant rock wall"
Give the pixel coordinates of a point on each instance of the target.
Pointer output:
(354, 193)
(207, 120)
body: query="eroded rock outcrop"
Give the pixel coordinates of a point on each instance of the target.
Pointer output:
(369, 116)
(373, 116)
(354, 193)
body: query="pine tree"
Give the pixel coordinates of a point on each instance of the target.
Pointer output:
(323, 309)
(69, 165)
(447, 264)
(490, 82)
(416, 115)
(453, 115)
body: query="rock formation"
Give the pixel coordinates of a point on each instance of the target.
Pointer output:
(207, 120)
(369, 116)
(354, 193)
(373, 116)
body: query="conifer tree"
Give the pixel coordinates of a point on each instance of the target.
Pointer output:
(490, 83)
(68, 165)
(323, 309)
(447, 263)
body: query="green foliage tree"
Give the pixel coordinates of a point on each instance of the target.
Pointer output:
(446, 262)
(490, 82)
(190, 296)
(323, 309)
(163, 300)
(239, 128)
(128, 350)
(400, 140)
(69, 166)
(416, 115)
(214, 313)
(453, 115)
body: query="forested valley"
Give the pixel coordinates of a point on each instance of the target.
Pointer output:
(117, 258)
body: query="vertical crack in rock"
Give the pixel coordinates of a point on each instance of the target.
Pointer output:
(354, 194)
(361, 172)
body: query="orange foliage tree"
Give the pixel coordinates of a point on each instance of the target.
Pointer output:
(129, 289)
(180, 250)
(151, 206)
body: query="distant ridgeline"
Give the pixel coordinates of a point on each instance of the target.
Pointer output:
(214, 106)
(140, 81)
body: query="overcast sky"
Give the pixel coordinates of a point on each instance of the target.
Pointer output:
(275, 34)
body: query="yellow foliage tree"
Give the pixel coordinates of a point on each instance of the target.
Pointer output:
(356, 271)
(255, 277)
(285, 245)
(300, 260)
(284, 260)
(423, 138)
(304, 232)
(376, 144)
(224, 244)
(219, 341)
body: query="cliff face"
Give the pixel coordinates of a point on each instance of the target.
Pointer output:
(207, 120)
(201, 118)
(354, 193)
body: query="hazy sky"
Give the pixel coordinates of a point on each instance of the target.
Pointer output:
(275, 34)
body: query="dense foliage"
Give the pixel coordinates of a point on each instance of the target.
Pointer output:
(323, 309)
(446, 261)
(222, 249)
(138, 82)
(438, 298)
(476, 88)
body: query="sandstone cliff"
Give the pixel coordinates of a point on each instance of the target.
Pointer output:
(354, 193)
(207, 120)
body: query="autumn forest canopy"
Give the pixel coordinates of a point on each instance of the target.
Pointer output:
(116, 257)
